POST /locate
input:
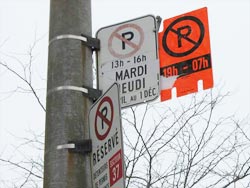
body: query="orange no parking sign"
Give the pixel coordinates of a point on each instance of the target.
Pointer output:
(184, 52)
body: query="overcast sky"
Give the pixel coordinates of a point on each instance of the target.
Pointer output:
(22, 22)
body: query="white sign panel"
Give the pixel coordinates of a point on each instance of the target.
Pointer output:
(106, 134)
(128, 56)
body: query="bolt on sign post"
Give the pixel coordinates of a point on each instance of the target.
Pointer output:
(129, 56)
(107, 146)
(184, 53)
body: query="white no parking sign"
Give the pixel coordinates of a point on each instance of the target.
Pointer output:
(128, 55)
(106, 135)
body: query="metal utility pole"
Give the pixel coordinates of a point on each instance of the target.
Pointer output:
(69, 68)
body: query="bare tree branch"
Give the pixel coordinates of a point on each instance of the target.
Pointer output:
(27, 82)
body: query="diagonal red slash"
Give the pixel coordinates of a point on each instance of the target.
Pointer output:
(133, 45)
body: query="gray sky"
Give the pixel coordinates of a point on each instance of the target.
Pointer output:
(24, 22)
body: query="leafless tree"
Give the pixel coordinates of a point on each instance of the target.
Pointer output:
(191, 145)
(186, 143)
(23, 70)
(26, 168)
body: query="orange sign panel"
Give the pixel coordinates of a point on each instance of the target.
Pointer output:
(184, 52)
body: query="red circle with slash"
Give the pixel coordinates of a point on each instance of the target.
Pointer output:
(134, 45)
(104, 118)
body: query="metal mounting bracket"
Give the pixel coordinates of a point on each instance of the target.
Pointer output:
(158, 22)
(92, 93)
(82, 147)
(94, 43)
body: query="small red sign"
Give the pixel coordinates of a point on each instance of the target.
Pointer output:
(115, 168)
(184, 51)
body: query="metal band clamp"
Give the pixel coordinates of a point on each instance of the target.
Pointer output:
(82, 147)
(93, 43)
(92, 93)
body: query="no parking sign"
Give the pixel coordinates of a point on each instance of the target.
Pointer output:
(185, 55)
(107, 146)
(128, 55)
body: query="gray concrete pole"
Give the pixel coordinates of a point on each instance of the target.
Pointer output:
(69, 64)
